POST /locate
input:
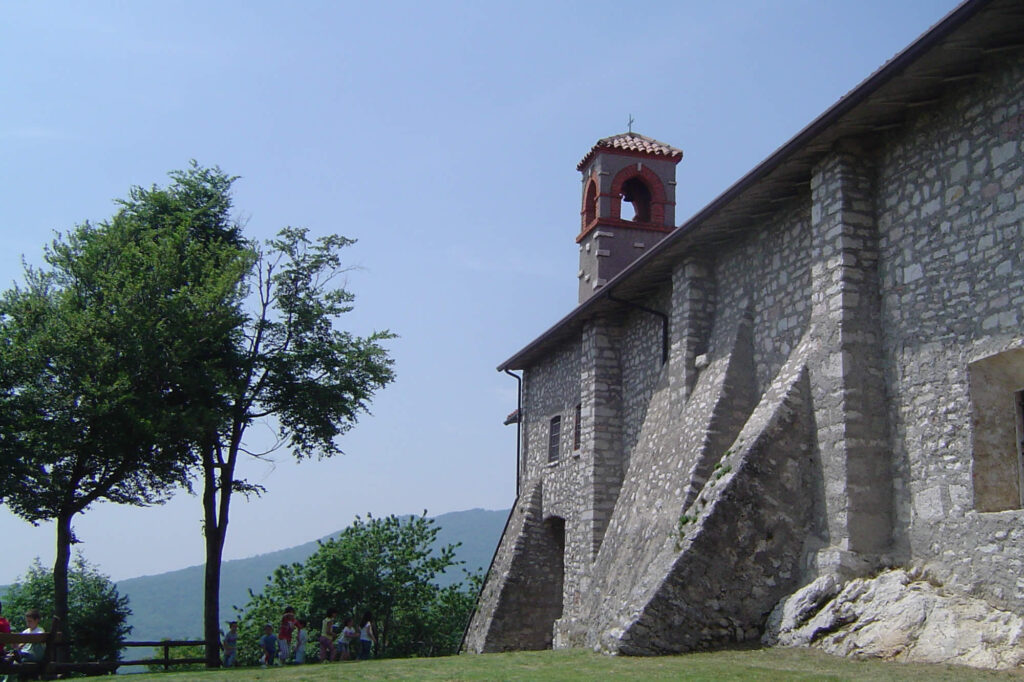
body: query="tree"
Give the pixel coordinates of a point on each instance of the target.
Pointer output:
(388, 566)
(293, 366)
(108, 355)
(98, 616)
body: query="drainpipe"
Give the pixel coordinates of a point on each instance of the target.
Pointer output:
(664, 322)
(519, 424)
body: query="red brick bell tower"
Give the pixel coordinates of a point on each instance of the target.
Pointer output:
(628, 169)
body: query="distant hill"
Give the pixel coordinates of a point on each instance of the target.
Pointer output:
(171, 604)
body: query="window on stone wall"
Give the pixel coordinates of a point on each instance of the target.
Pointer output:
(1018, 401)
(576, 427)
(554, 436)
(997, 406)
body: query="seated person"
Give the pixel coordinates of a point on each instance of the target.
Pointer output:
(30, 653)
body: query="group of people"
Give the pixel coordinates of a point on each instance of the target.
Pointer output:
(342, 641)
(26, 652)
(339, 640)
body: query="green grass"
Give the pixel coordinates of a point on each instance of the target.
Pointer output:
(755, 664)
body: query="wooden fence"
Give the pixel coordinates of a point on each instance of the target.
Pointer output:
(167, 645)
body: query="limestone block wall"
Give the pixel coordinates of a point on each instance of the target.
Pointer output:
(846, 372)
(768, 270)
(550, 389)
(692, 309)
(679, 444)
(840, 395)
(951, 217)
(683, 451)
(522, 595)
(641, 366)
(742, 541)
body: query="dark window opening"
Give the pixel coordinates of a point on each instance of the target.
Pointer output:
(590, 204)
(576, 427)
(1018, 399)
(553, 438)
(635, 192)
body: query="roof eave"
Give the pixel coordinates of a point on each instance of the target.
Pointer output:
(857, 96)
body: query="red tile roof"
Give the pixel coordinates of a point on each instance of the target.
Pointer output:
(634, 143)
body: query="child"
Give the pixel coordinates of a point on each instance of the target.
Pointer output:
(327, 637)
(284, 635)
(367, 636)
(231, 644)
(301, 637)
(348, 635)
(31, 653)
(268, 642)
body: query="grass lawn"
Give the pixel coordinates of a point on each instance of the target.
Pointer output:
(755, 664)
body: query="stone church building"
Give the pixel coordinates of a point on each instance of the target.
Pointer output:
(821, 372)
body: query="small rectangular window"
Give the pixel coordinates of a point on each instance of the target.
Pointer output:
(554, 437)
(996, 384)
(1019, 402)
(576, 427)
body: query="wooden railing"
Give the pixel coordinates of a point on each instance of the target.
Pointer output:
(167, 645)
(54, 640)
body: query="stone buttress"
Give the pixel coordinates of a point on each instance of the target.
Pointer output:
(839, 388)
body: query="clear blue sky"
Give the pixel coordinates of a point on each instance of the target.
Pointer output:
(444, 137)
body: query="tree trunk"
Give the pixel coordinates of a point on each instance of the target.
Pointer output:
(214, 533)
(60, 579)
(211, 598)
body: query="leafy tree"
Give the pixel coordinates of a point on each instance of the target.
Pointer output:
(387, 566)
(108, 353)
(447, 617)
(98, 614)
(294, 367)
(132, 362)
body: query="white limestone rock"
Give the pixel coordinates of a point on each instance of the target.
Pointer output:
(898, 616)
(791, 613)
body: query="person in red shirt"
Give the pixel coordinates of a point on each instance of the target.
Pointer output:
(5, 626)
(284, 635)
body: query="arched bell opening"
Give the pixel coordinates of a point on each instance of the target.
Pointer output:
(590, 203)
(636, 197)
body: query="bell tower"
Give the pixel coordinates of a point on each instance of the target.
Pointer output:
(629, 201)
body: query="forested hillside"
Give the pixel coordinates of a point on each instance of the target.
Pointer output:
(170, 604)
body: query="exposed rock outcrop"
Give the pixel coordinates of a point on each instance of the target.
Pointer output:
(898, 615)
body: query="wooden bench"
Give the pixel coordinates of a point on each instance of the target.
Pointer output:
(27, 669)
(47, 667)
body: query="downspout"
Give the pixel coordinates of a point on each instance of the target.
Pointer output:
(664, 322)
(519, 424)
(519, 430)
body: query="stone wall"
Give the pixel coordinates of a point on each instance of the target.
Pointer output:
(839, 396)
(950, 210)
(641, 365)
(550, 389)
(522, 596)
(740, 545)
(766, 273)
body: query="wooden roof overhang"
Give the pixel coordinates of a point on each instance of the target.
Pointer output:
(954, 50)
